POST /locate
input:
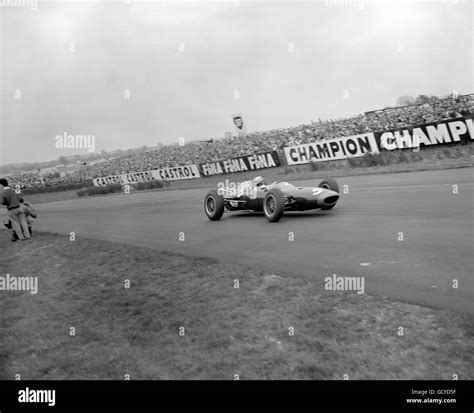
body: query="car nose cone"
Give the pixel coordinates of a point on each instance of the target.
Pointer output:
(328, 198)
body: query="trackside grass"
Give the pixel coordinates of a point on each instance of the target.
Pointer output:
(227, 330)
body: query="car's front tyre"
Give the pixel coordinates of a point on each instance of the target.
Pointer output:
(214, 205)
(332, 185)
(329, 183)
(274, 205)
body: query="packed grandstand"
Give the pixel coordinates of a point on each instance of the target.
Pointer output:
(195, 152)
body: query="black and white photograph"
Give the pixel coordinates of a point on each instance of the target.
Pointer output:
(236, 195)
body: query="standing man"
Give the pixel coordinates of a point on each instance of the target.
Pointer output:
(15, 213)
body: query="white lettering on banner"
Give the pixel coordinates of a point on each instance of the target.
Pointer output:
(167, 174)
(420, 137)
(241, 164)
(457, 128)
(438, 133)
(261, 161)
(339, 148)
(234, 165)
(397, 140)
(446, 132)
(212, 168)
(470, 128)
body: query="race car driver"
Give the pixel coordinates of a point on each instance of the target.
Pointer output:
(249, 188)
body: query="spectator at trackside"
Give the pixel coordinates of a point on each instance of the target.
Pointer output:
(30, 213)
(15, 213)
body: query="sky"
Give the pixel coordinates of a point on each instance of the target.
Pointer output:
(138, 73)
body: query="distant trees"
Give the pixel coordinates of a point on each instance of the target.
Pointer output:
(406, 100)
(63, 160)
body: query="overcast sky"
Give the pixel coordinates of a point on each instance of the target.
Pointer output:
(376, 52)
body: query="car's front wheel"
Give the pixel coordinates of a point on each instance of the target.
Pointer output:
(332, 185)
(214, 205)
(274, 205)
(329, 183)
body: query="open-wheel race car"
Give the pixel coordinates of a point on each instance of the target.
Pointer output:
(273, 199)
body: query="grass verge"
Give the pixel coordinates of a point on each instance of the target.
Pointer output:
(228, 330)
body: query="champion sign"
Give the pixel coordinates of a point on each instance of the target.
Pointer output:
(439, 133)
(443, 132)
(330, 150)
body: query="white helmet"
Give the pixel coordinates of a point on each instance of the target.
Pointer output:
(258, 180)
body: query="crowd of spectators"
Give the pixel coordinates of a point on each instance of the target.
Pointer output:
(205, 151)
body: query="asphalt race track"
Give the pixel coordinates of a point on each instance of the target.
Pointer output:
(359, 237)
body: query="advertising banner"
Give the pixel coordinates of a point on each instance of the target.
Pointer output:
(330, 150)
(241, 164)
(164, 174)
(444, 132)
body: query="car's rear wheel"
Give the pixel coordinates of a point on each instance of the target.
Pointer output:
(332, 185)
(274, 205)
(214, 205)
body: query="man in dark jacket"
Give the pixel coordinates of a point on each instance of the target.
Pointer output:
(15, 213)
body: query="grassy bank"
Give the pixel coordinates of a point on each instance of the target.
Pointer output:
(228, 330)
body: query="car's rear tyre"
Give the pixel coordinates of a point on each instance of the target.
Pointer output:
(214, 205)
(332, 185)
(274, 205)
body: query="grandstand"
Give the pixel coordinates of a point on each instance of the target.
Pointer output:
(210, 150)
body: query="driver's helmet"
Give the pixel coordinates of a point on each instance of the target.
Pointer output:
(258, 180)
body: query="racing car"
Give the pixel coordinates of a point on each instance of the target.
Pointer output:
(273, 199)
